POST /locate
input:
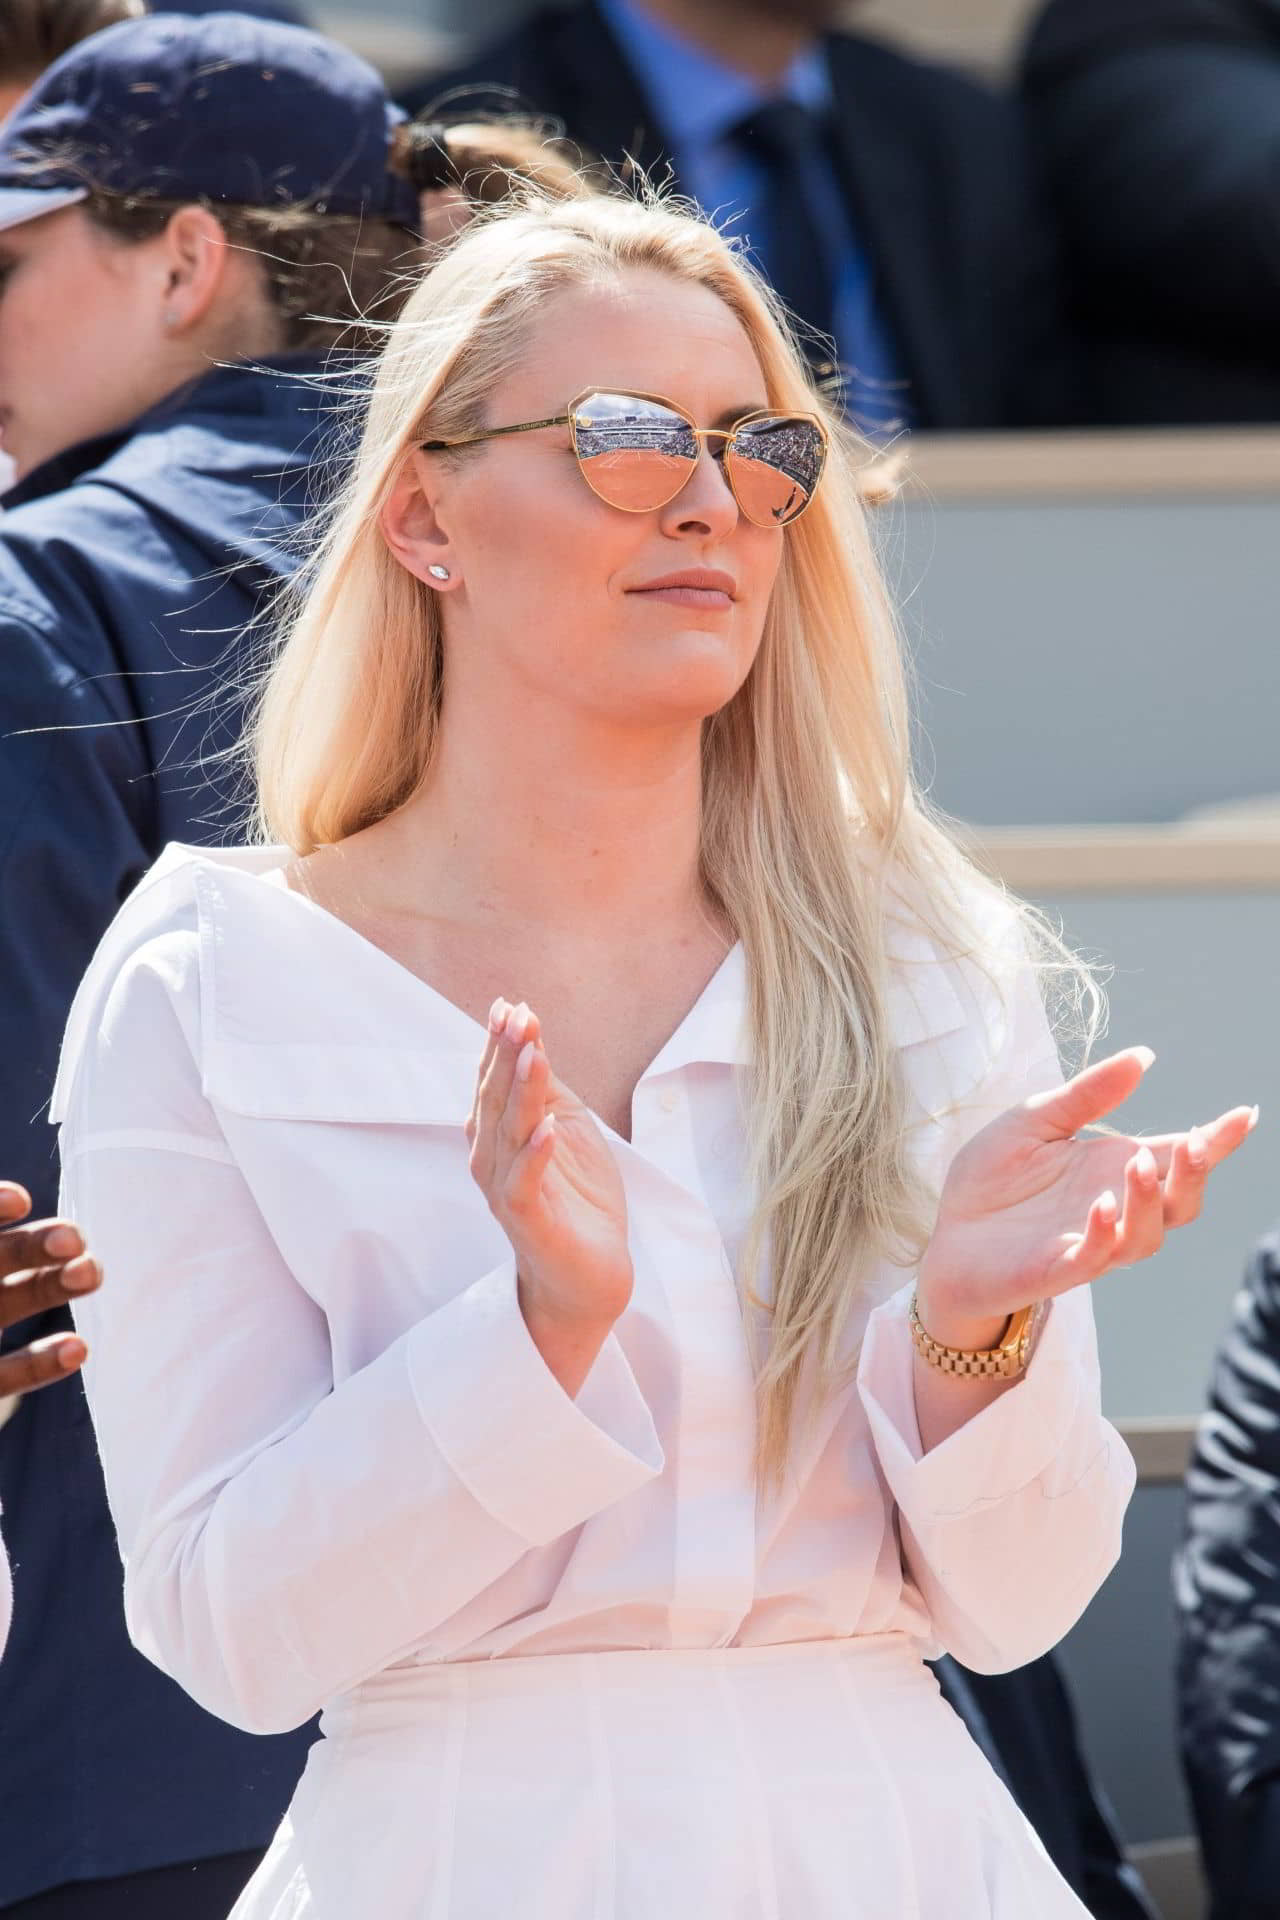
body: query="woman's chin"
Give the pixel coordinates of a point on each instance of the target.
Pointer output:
(692, 670)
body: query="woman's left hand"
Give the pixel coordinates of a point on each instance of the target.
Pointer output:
(1032, 1206)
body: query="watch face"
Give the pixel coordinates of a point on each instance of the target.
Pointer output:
(1031, 1332)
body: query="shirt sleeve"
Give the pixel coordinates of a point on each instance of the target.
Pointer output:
(1009, 1526)
(285, 1537)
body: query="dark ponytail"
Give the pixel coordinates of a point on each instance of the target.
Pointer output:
(488, 161)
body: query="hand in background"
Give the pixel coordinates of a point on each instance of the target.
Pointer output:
(41, 1266)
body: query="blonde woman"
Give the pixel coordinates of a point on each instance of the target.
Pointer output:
(517, 1173)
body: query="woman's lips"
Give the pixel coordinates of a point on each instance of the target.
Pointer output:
(711, 598)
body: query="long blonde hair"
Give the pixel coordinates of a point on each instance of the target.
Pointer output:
(807, 794)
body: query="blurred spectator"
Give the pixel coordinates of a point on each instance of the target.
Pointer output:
(1158, 125)
(144, 250)
(887, 198)
(35, 33)
(1227, 1590)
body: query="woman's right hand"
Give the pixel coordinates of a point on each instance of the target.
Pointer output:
(551, 1182)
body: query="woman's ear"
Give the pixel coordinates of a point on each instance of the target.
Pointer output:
(412, 527)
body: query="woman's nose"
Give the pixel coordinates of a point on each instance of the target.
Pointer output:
(705, 503)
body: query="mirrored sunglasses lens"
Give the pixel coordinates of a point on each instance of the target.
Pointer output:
(775, 464)
(633, 453)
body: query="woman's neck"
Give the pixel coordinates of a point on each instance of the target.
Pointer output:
(600, 838)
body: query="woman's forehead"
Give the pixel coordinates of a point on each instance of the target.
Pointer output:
(645, 333)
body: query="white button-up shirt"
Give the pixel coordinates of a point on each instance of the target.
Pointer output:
(332, 1447)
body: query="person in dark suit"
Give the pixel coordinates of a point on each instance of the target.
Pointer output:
(887, 198)
(1155, 124)
(1227, 1593)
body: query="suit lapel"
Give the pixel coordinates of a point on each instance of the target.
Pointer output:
(598, 95)
(888, 179)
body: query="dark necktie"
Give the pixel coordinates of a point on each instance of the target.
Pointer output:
(786, 141)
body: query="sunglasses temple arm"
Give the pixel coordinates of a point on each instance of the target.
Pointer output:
(493, 433)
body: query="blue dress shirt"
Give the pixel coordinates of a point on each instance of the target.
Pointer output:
(698, 101)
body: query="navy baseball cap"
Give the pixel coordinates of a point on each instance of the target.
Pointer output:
(218, 107)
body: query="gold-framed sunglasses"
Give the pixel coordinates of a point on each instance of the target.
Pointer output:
(636, 451)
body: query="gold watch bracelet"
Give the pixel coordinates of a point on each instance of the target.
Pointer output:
(1005, 1361)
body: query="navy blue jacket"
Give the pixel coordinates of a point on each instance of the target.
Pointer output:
(129, 570)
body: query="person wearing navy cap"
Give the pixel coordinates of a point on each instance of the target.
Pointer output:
(178, 198)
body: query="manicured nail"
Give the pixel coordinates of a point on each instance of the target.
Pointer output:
(524, 1065)
(1254, 1116)
(73, 1354)
(1144, 1165)
(1197, 1148)
(516, 1024)
(498, 1015)
(543, 1131)
(1146, 1056)
(1108, 1205)
(63, 1243)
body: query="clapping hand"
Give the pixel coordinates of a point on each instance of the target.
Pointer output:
(1035, 1205)
(549, 1178)
(41, 1266)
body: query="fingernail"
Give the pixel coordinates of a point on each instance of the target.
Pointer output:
(80, 1279)
(516, 1024)
(1145, 1165)
(524, 1065)
(1254, 1116)
(545, 1127)
(63, 1242)
(1108, 1205)
(72, 1355)
(1147, 1056)
(1197, 1148)
(498, 1014)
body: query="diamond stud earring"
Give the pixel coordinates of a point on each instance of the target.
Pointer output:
(438, 573)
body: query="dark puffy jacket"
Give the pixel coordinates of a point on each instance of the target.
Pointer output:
(1227, 1588)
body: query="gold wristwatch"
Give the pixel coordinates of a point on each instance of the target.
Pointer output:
(1008, 1358)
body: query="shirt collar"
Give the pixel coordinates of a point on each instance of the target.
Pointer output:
(290, 1033)
(287, 1035)
(696, 97)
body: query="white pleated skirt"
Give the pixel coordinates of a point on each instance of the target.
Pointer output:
(826, 1780)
